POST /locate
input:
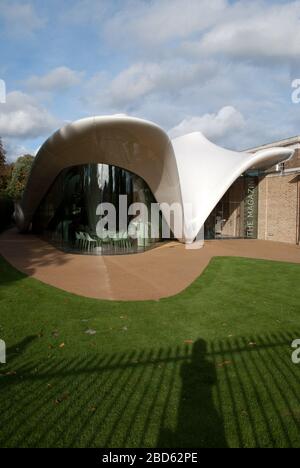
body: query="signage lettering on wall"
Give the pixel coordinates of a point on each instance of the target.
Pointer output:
(251, 207)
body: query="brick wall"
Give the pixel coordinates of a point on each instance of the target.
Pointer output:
(278, 211)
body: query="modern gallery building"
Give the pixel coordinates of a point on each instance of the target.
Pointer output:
(157, 189)
(271, 198)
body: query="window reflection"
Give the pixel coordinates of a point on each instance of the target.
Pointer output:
(67, 215)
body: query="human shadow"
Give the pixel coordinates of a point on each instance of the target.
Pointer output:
(16, 351)
(124, 399)
(199, 424)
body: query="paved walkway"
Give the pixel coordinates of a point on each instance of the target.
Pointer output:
(161, 272)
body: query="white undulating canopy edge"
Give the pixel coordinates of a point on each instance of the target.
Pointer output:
(189, 170)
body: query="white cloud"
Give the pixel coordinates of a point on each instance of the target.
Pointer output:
(143, 78)
(255, 31)
(243, 30)
(20, 19)
(58, 79)
(158, 21)
(14, 149)
(147, 78)
(23, 117)
(83, 12)
(213, 126)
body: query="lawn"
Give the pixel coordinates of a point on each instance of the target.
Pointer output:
(208, 367)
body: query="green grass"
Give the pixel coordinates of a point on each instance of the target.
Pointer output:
(209, 367)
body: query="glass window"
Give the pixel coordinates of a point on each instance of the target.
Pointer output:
(67, 217)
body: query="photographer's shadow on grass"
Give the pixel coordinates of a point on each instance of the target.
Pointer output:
(199, 423)
(16, 351)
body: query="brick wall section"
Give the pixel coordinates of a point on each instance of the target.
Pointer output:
(278, 211)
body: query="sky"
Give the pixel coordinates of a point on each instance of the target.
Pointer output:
(223, 67)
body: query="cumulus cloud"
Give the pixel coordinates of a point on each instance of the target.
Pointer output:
(14, 149)
(240, 29)
(158, 21)
(23, 117)
(20, 19)
(144, 78)
(213, 126)
(249, 30)
(255, 31)
(58, 79)
(182, 58)
(83, 12)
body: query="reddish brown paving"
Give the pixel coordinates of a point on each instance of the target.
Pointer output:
(161, 272)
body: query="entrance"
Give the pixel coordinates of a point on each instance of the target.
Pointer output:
(235, 216)
(225, 221)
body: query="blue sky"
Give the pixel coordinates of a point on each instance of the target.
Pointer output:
(219, 66)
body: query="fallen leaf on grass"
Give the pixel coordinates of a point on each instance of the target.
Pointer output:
(90, 331)
(252, 344)
(223, 364)
(62, 345)
(188, 341)
(62, 398)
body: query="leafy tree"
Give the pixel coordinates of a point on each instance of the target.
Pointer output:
(3, 167)
(5, 177)
(19, 177)
(2, 155)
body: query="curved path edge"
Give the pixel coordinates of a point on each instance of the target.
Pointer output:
(153, 275)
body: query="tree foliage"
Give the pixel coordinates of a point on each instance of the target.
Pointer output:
(2, 155)
(19, 177)
(5, 177)
(3, 168)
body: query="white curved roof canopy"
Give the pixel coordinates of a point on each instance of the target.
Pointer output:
(207, 171)
(190, 170)
(132, 144)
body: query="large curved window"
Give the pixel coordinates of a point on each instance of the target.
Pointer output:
(70, 215)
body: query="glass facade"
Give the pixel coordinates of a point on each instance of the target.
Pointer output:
(236, 215)
(69, 214)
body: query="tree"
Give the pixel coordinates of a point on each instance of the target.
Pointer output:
(19, 177)
(2, 155)
(3, 167)
(5, 177)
